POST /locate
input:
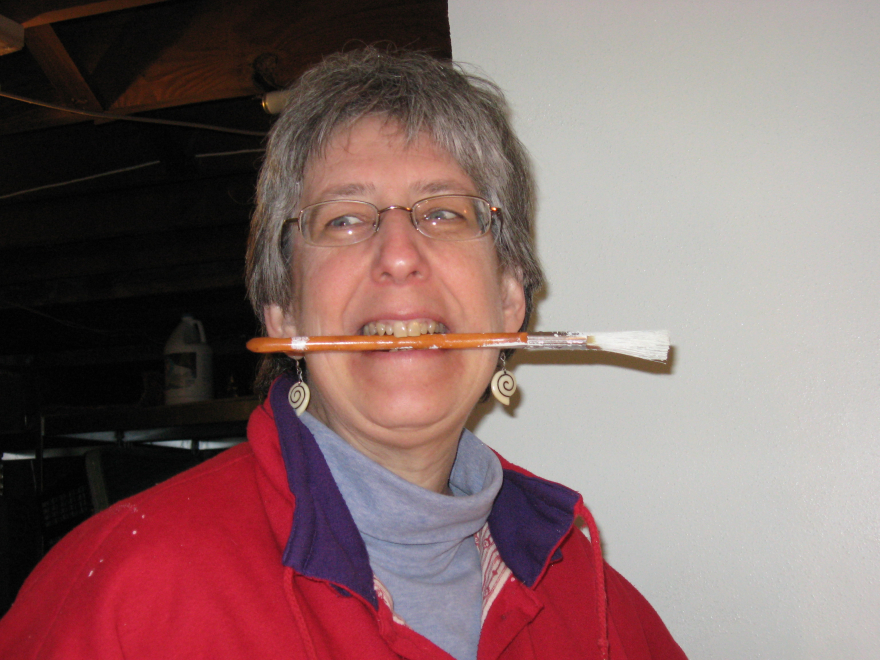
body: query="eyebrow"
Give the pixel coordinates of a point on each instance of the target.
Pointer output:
(348, 190)
(443, 186)
(428, 188)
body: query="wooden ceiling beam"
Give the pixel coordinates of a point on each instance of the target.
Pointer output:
(11, 36)
(60, 69)
(185, 53)
(32, 13)
(213, 56)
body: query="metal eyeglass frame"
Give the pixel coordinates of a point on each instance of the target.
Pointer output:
(495, 216)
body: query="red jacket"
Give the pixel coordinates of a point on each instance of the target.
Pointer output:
(214, 564)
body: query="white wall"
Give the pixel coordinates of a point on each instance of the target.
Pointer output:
(711, 168)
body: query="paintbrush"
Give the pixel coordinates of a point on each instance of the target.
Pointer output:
(645, 345)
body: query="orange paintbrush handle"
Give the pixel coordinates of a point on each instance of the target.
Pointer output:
(301, 345)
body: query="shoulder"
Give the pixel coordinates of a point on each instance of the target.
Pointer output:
(578, 584)
(633, 623)
(179, 505)
(122, 568)
(195, 507)
(634, 626)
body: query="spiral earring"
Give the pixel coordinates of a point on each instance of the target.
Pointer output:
(299, 394)
(503, 383)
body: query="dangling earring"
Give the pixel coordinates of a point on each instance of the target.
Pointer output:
(299, 394)
(503, 383)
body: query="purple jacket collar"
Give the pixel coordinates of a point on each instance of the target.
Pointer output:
(529, 518)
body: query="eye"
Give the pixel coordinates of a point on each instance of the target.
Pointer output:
(337, 222)
(344, 222)
(440, 215)
(342, 216)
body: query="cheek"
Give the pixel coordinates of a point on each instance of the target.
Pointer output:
(308, 274)
(477, 284)
(324, 284)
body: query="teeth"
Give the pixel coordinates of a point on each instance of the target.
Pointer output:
(412, 328)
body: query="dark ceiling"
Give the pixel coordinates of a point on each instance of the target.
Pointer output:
(151, 219)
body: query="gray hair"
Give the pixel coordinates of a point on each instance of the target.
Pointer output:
(464, 114)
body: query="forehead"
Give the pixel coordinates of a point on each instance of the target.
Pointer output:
(375, 152)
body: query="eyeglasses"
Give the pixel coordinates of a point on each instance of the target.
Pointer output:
(443, 217)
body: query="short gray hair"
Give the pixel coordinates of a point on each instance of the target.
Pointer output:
(463, 113)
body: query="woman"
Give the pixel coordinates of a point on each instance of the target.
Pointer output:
(394, 198)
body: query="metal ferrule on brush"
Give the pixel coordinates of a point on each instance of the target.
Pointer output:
(563, 341)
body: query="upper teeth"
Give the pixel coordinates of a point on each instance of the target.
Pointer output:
(412, 328)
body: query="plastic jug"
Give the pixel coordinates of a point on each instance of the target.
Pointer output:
(188, 370)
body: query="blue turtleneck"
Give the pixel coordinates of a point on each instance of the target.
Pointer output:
(421, 543)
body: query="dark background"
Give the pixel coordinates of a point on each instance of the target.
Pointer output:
(96, 273)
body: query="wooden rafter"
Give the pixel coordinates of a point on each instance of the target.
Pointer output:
(61, 71)
(31, 14)
(11, 36)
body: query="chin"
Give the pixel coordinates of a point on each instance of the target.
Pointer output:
(410, 389)
(402, 405)
(412, 408)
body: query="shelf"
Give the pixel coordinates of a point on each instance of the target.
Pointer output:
(76, 429)
(204, 419)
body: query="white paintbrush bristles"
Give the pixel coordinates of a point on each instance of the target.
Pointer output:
(642, 344)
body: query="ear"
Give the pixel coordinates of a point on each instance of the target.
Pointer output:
(278, 322)
(513, 302)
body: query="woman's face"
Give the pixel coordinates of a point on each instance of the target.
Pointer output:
(406, 397)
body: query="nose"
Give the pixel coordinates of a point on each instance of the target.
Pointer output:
(399, 248)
